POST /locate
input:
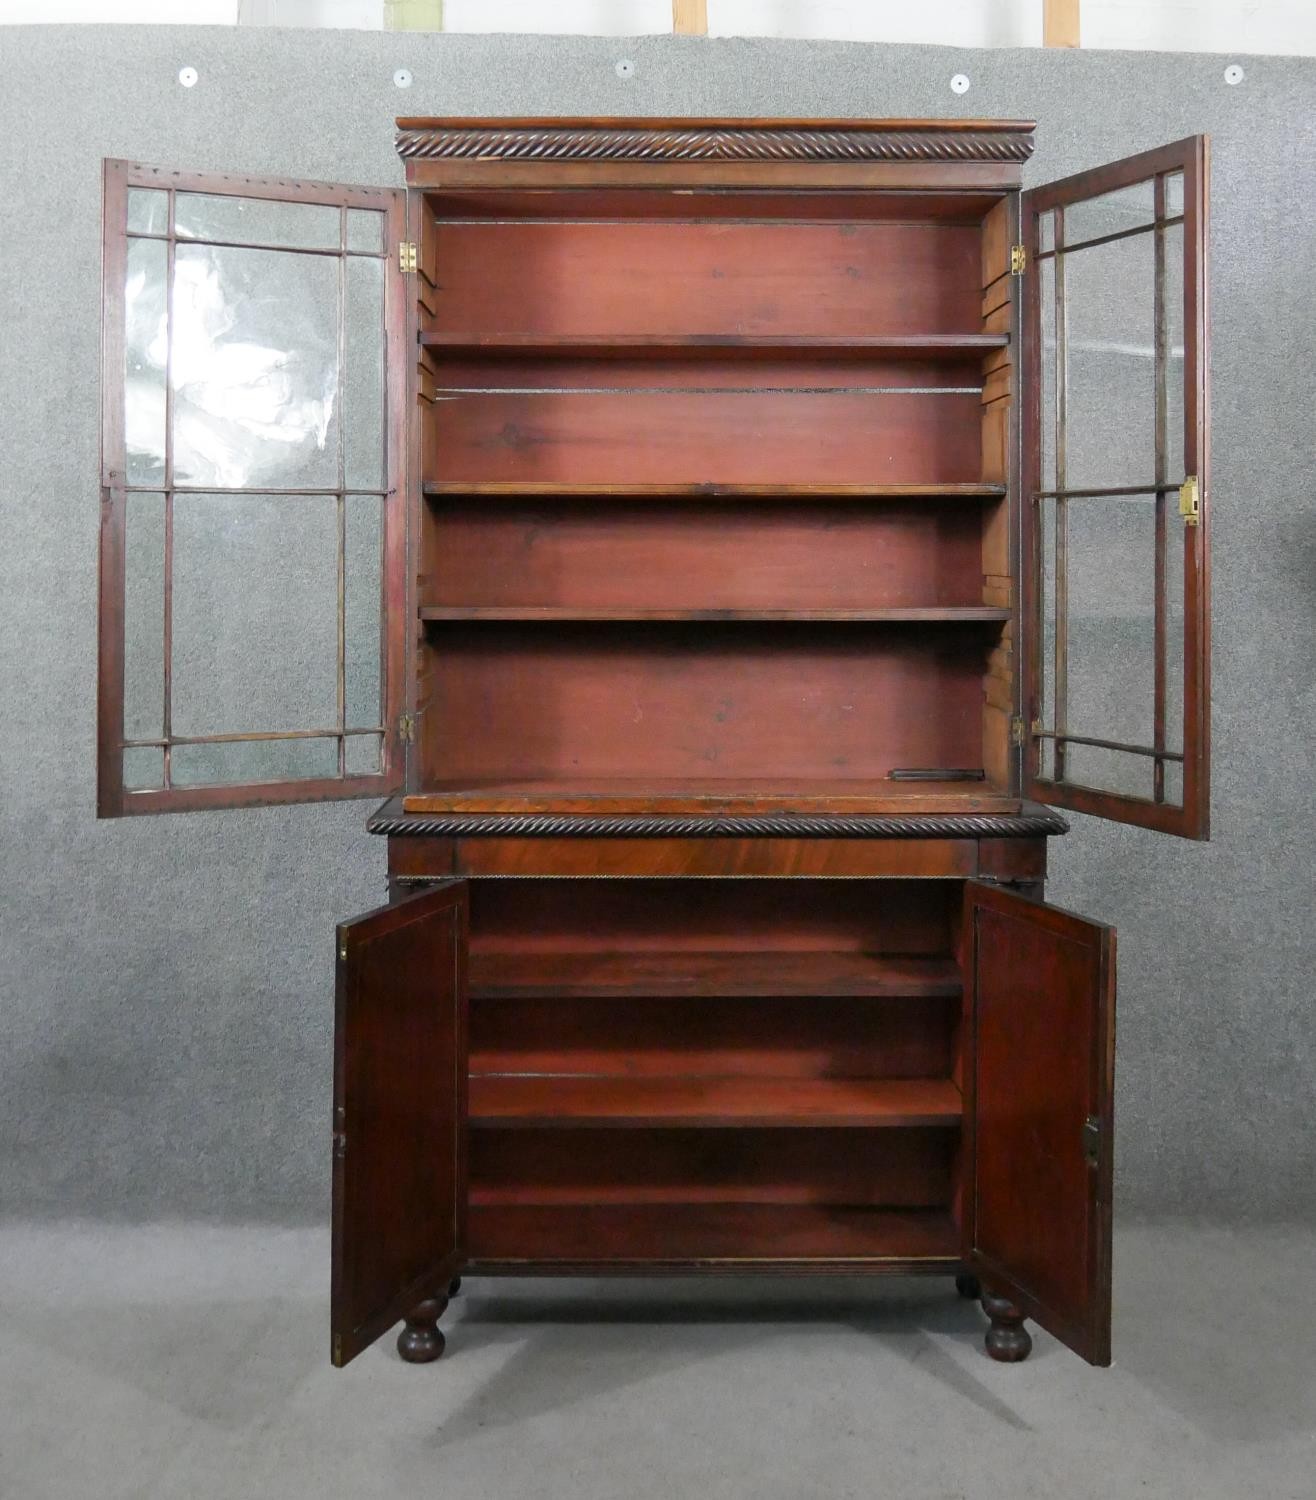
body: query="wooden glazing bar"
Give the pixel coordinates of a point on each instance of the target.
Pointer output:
(1158, 222)
(1162, 342)
(1061, 671)
(252, 737)
(1159, 752)
(244, 489)
(1097, 492)
(341, 506)
(196, 239)
(169, 500)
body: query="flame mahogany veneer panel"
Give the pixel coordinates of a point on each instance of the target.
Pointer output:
(727, 554)
(511, 700)
(678, 277)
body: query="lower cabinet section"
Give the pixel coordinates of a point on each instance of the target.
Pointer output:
(804, 1075)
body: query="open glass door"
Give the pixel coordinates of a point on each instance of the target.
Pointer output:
(399, 1187)
(253, 527)
(1039, 1060)
(1116, 536)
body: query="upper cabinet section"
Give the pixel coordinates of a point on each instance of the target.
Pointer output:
(251, 455)
(1116, 489)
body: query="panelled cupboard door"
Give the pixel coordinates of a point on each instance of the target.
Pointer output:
(253, 523)
(399, 1180)
(1116, 491)
(1038, 1076)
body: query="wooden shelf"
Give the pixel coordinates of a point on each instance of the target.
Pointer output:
(743, 1236)
(950, 614)
(527, 1101)
(527, 488)
(601, 976)
(675, 345)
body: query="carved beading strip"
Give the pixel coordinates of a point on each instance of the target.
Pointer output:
(711, 143)
(556, 825)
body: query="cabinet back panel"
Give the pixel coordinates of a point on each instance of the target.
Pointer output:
(676, 436)
(601, 553)
(504, 700)
(878, 1168)
(754, 1036)
(674, 277)
(723, 916)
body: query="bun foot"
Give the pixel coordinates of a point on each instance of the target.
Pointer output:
(420, 1341)
(969, 1286)
(454, 1286)
(1007, 1338)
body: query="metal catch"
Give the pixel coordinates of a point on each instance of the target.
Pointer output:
(1190, 501)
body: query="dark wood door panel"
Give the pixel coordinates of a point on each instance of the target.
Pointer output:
(399, 1112)
(1039, 1014)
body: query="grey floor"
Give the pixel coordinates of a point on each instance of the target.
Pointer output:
(189, 1363)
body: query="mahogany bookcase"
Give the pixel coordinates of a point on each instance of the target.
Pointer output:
(725, 542)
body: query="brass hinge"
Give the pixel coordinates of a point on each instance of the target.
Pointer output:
(1190, 501)
(1016, 731)
(1018, 260)
(407, 728)
(406, 256)
(342, 948)
(1092, 1140)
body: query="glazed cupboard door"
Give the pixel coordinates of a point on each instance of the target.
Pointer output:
(1115, 468)
(1039, 1065)
(253, 527)
(400, 1067)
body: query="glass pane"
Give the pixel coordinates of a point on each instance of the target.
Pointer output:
(1109, 770)
(1111, 657)
(1110, 437)
(1173, 194)
(362, 754)
(257, 221)
(1047, 381)
(145, 351)
(143, 618)
(143, 769)
(255, 607)
(363, 598)
(1174, 354)
(1175, 542)
(365, 230)
(1112, 213)
(255, 368)
(148, 211)
(238, 761)
(1173, 783)
(1047, 589)
(1046, 233)
(363, 374)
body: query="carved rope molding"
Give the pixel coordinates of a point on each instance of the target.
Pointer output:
(712, 143)
(785, 825)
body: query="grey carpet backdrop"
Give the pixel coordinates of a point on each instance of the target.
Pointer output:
(166, 983)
